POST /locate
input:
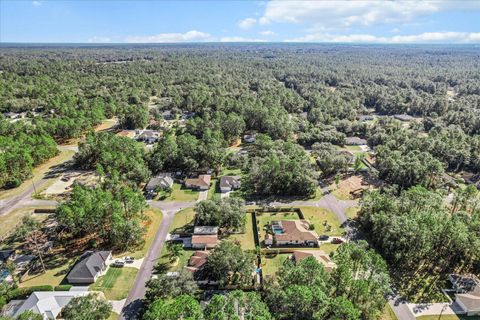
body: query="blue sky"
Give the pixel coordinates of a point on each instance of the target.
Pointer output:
(372, 21)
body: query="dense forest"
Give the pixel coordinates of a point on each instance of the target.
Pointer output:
(301, 102)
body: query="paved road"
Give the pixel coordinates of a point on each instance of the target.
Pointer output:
(22, 200)
(399, 307)
(135, 298)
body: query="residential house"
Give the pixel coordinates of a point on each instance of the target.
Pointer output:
(168, 115)
(200, 183)
(197, 261)
(319, 255)
(364, 118)
(204, 241)
(229, 183)
(48, 304)
(403, 117)
(249, 138)
(292, 233)
(467, 296)
(91, 266)
(355, 141)
(204, 237)
(205, 230)
(7, 255)
(148, 136)
(161, 181)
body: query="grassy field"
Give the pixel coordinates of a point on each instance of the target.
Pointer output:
(246, 239)
(231, 172)
(318, 195)
(39, 173)
(329, 247)
(12, 219)
(264, 218)
(352, 212)
(53, 276)
(155, 219)
(116, 283)
(182, 218)
(181, 194)
(214, 191)
(318, 216)
(388, 313)
(179, 264)
(271, 263)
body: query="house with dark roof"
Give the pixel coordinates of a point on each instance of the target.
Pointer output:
(467, 293)
(6, 255)
(161, 181)
(200, 183)
(229, 183)
(91, 266)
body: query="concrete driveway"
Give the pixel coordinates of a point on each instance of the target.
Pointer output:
(203, 195)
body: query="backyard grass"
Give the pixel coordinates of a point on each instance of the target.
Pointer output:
(153, 223)
(116, 283)
(318, 216)
(272, 262)
(53, 276)
(39, 173)
(179, 193)
(12, 219)
(246, 239)
(339, 193)
(329, 247)
(181, 219)
(264, 218)
(231, 172)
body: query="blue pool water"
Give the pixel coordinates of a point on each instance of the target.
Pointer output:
(278, 231)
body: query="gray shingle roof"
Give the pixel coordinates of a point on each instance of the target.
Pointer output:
(89, 266)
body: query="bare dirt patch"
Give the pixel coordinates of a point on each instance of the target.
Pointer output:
(350, 187)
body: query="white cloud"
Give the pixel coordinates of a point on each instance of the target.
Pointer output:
(36, 3)
(427, 37)
(395, 30)
(334, 14)
(190, 36)
(97, 39)
(267, 33)
(247, 23)
(240, 39)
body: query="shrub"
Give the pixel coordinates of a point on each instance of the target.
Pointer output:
(63, 287)
(22, 293)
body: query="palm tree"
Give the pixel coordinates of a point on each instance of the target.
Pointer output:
(175, 250)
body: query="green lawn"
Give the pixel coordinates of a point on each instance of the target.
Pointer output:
(13, 219)
(264, 218)
(272, 262)
(214, 191)
(152, 224)
(318, 195)
(116, 283)
(318, 216)
(53, 276)
(388, 313)
(352, 212)
(231, 172)
(246, 239)
(183, 220)
(329, 247)
(177, 265)
(179, 193)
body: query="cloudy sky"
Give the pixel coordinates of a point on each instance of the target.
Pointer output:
(370, 21)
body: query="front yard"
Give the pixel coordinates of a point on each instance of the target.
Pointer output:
(318, 216)
(179, 193)
(183, 220)
(116, 283)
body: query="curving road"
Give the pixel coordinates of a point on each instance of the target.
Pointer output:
(134, 302)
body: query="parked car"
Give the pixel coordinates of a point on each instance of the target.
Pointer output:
(129, 259)
(65, 179)
(323, 237)
(337, 241)
(118, 264)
